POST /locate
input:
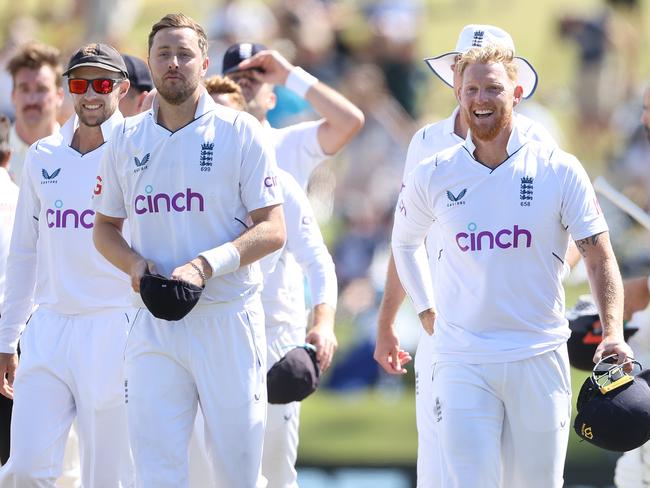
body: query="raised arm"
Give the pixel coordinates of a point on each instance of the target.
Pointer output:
(341, 118)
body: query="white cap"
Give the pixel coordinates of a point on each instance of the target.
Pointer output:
(479, 36)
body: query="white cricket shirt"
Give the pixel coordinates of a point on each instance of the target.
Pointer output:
(283, 294)
(436, 137)
(187, 191)
(297, 149)
(52, 260)
(8, 200)
(504, 233)
(18, 153)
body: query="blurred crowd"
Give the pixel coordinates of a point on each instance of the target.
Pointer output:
(371, 52)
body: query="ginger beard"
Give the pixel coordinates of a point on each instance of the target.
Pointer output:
(485, 121)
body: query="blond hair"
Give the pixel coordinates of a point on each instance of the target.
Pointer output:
(34, 55)
(176, 21)
(218, 85)
(492, 53)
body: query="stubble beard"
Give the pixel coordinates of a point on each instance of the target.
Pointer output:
(178, 94)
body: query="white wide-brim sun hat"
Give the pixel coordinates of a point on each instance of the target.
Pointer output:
(478, 36)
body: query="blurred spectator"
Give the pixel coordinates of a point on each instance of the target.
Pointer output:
(141, 84)
(18, 32)
(37, 95)
(108, 21)
(608, 48)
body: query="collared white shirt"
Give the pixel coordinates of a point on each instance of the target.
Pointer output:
(191, 190)
(18, 153)
(8, 201)
(503, 234)
(52, 261)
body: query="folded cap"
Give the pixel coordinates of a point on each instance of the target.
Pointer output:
(479, 36)
(138, 73)
(237, 53)
(294, 377)
(587, 333)
(615, 414)
(168, 299)
(97, 55)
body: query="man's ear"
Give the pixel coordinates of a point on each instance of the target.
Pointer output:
(518, 95)
(124, 88)
(5, 161)
(273, 100)
(206, 63)
(140, 100)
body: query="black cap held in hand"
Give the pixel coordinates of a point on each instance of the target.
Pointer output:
(168, 299)
(618, 420)
(294, 377)
(236, 53)
(587, 333)
(97, 55)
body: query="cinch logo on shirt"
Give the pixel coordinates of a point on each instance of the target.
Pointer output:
(163, 202)
(503, 239)
(59, 218)
(270, 181)
(49, 178)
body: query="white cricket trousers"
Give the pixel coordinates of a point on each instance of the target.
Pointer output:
(429, 462)
(70, 366)
(215, 357)
(282, 421)
(504, 425)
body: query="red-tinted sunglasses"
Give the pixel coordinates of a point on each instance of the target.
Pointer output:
(102, 86)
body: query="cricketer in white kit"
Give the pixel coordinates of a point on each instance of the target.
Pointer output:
(283, 297)
(299, 149)
(197, 183)
(426, 142)
(72, 349)
(503, 207)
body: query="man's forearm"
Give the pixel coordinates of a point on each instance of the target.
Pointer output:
(392, 298)
(342, 119)
(110, 243)
(606, 283)
(264, 237)
(323, 316)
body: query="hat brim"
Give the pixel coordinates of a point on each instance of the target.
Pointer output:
(107, 67)
(441, 67)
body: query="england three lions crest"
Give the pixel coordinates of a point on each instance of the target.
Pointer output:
(205, 161)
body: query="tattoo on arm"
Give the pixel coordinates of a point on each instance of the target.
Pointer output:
(583, 244)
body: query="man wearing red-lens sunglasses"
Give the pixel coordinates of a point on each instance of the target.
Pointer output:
(72, 351)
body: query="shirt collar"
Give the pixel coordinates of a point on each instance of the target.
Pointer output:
(71, 125)
(516, 140)
(449, 124)
(206, 104)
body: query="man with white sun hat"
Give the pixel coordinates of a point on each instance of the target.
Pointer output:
(427, 141)
(478, 36)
